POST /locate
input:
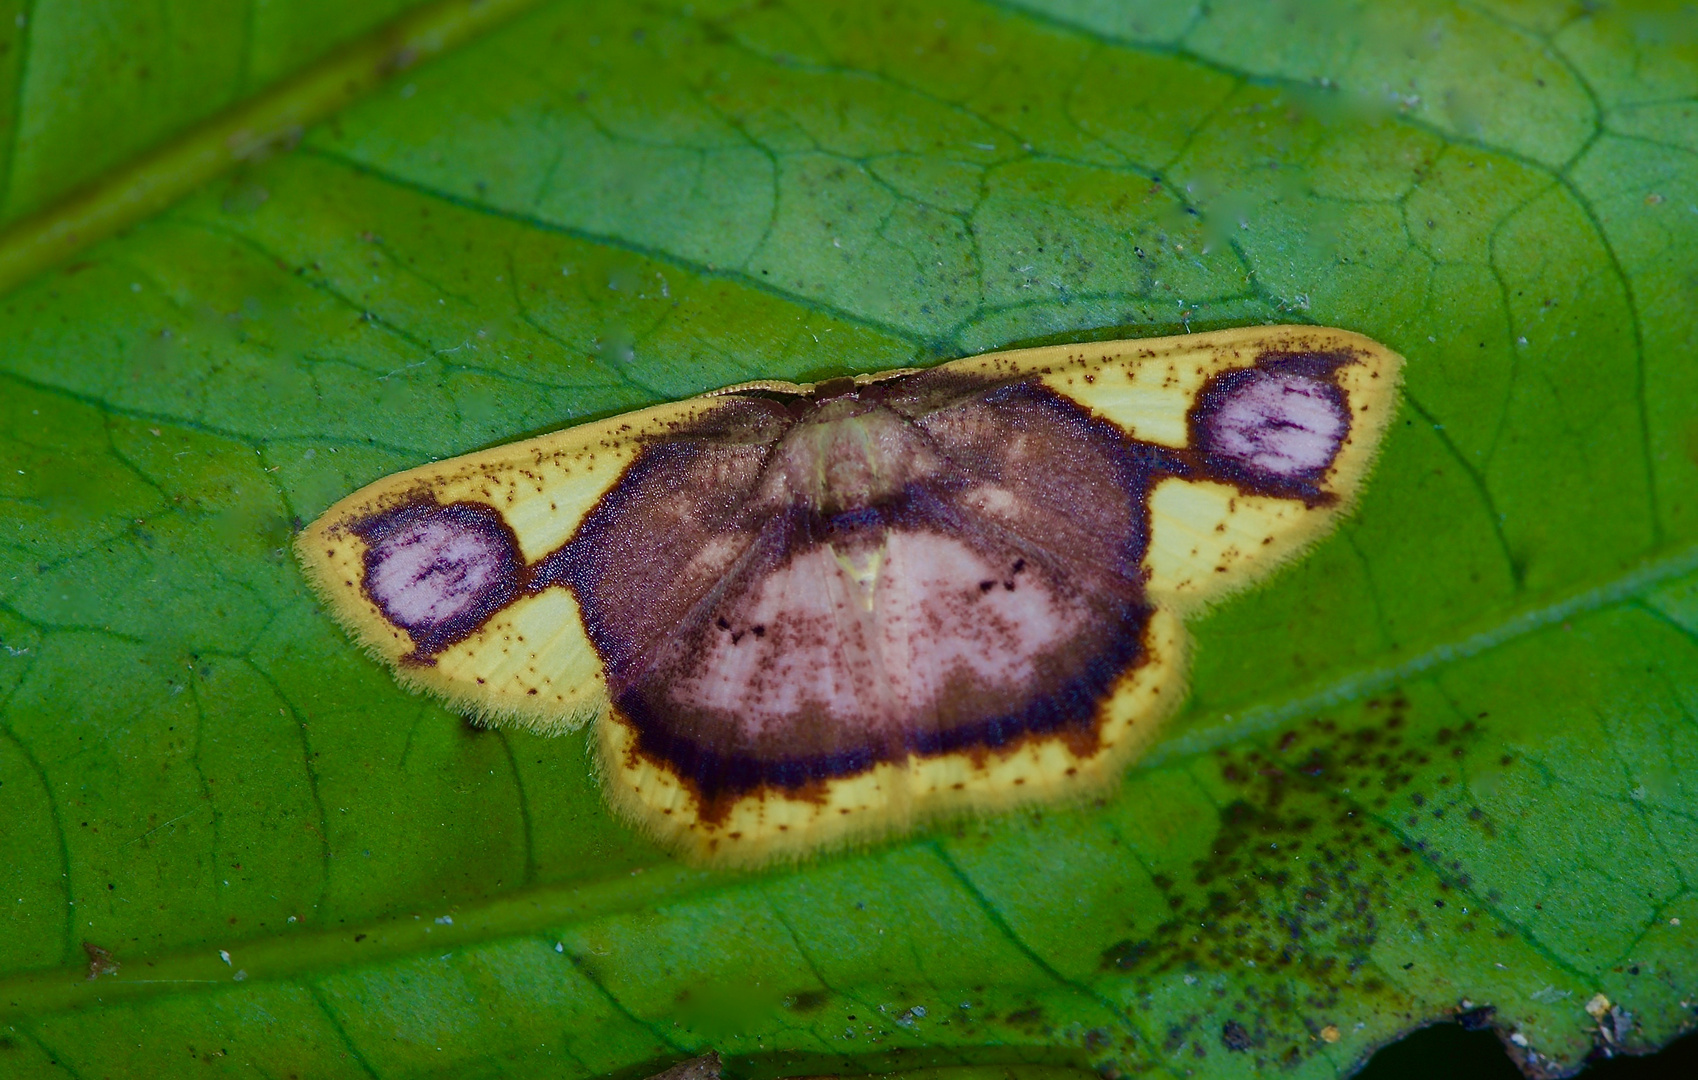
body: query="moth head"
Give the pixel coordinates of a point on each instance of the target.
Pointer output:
(846, 453)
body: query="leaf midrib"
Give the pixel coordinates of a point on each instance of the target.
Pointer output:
(1466, 640)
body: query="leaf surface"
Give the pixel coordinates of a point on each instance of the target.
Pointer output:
(1445, 763)
(91, 83)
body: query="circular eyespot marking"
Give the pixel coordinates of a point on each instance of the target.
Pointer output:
(430, 571)
(1283, 425)
(437, 572)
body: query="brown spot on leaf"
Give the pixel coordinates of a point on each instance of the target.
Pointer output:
(100, 962)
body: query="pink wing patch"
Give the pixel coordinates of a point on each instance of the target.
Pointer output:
(436, 571)
(794, 644)
(873, 649)
(1284, 425)
(950, 617)
(431, 571)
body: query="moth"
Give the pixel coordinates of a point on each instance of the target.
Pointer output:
(804, 614)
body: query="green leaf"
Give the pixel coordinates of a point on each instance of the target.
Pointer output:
(95, 82)
(1444, 762)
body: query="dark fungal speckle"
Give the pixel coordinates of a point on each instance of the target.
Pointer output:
(1288, 917)
(1235, 1036)
(807, 1001)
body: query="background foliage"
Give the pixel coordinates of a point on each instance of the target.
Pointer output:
(1444, 764)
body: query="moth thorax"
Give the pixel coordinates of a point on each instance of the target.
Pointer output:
(847, 455)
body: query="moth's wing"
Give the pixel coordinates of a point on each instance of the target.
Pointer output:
(1212, 533)
(530, 662)
(772, 821)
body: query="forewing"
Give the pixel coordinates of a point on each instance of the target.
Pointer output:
(1270, 431)
(442, 571)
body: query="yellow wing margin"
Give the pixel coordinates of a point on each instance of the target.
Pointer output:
(893, 796)
(532, 663)
(1207, 539)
